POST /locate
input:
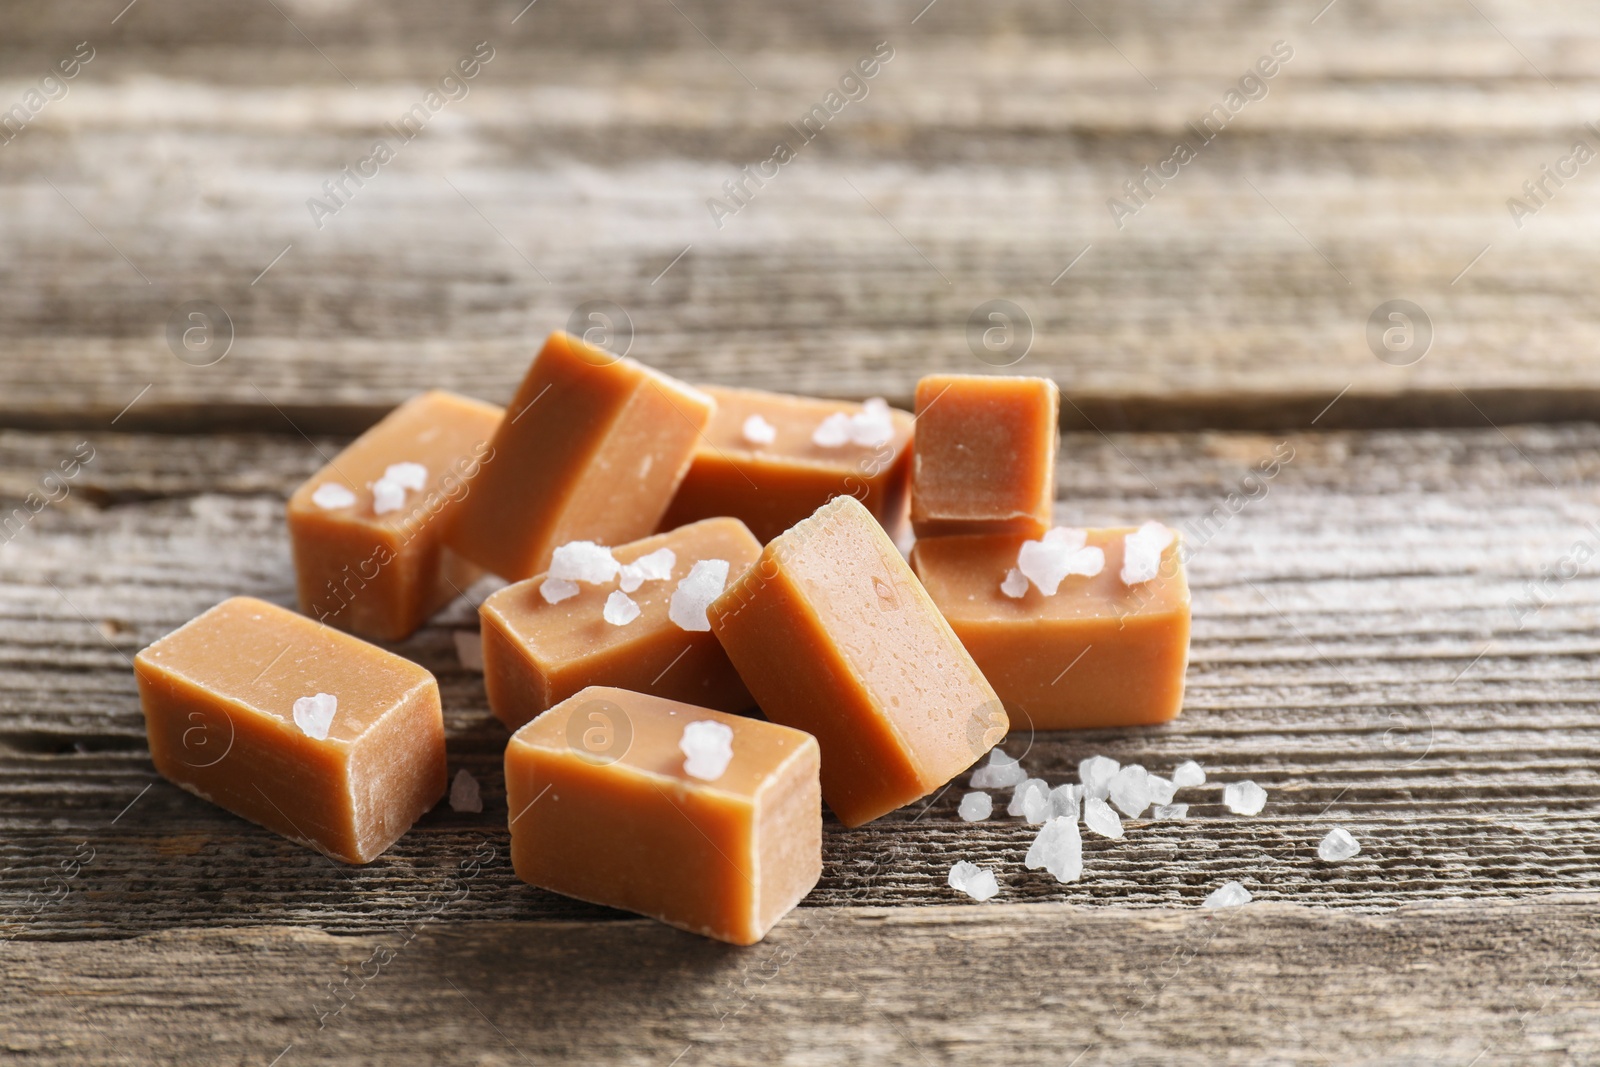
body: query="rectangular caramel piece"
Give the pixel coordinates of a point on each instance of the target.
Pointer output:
(772, 485)
(602, 807)
(537, 654)
(1099, 652)
(835, 636)
(591, 449)
(220, 697)
(369, 554)
(984, 456)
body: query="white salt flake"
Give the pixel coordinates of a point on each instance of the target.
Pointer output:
(1070, 537)
(464, 792)
(620, 608)
(1015, 585)
(1130, 790)
(1060, 552)
(872, 426)
(330, 496)
(832, 432)
(654, 567)
(1170, 812)
(1064, 801)
(758, 431)
(975, 807)
(1244, 798)
(1096, 773)
(555, 590)
(1141, 553)
(703, 584)
(1058, 849)
(387, 496)
(469, 649)
(1188, 773)
(1227, 895)
(1338, 845)
(1001, 772)
(1098, 816)
(1161, 790)
(976, 882)
(707, 747)
(584, 561)
(1026, 789)
(413, 476)
(315, 714)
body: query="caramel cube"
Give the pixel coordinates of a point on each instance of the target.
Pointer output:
(761, 461)
(1098, 652)
(367, 529)
(835, 636)
(314, 734)
(984, 458)
(591, 449)
(608, 805)
(537, 653)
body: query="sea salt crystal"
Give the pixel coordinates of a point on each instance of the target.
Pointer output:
(872, 426)
(1031, 800)
(1071, 537)
(1059, 553)
(315, 714)
(555, 590)
(1161, 790)
(694, 594)
(1058, 849)
(1064, 801)
(1096, 773)
(1098, 816)
(975, 807)
(469, 649)
(1001, 772)
(1188, 773)
(976, 882)
(655, 567)
(620, 608)
(1015, 585)
(1130, 790)
(1141, 555)
(411, 476)
(832, 432)
(387, 496)
(1170, 812)
(464, 792)
(1338, 845)
(707, 747)
(759, 431)
(584, 561)
(1244, 798)
(331, 495)
(1227, 895)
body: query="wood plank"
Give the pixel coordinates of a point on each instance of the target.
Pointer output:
(1056, 983)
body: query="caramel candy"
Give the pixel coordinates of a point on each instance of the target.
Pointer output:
(1099, 652)
(591, 449)
(312, 733)
(835, 636)
(985, 455)
(367, 529)
(537, 653)
(761, 461)
(615, 798)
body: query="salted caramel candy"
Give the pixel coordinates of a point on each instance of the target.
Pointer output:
(546, 638)
(314, 734)
(367, 530)
(771, 460)
(1107, 648)
(591, 449)
(984, 456)
(707, 821)
(835, 636)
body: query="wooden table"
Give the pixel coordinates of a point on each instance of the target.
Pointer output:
(1367, 646)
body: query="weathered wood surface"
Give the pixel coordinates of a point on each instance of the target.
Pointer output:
(1040, 983)
(978, 167)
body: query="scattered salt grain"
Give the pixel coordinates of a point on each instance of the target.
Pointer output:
(976, 882)
(1098, 816)
(1071, 537)
(1170, 812)
(1227, 895)
(1015, 585)
(975, 807)
(387, 496)
(469, 649)
(584, 561)
(1031, 800)
(1096, 773)
(872, 426)
(620, 608)
(1244, 798)
(759, 431)
(694, 594)
(1161, 790)
(315, 714)
(832, 432)
(1064, 802)
(1000, 772)
(555, 590)
(1058, 849)
(464, 792)
(707, 747)
(331, 495)
(1141, 553)
(411, 476)
(1059, 553)
(655, 567)
(1130, 790)
(1338, 845)
(1188, 773)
